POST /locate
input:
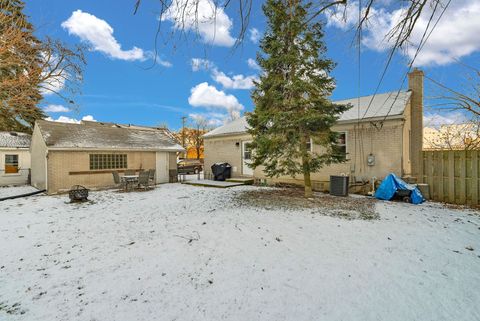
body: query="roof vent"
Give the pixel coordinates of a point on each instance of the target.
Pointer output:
(13, 134)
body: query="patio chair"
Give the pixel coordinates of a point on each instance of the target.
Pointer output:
(143, 180)
(151, 175)
(129, 172)
(116, 179)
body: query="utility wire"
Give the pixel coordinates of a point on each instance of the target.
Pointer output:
(390, 57)
(424, 39)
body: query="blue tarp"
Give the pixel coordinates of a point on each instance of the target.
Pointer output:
(391, 184)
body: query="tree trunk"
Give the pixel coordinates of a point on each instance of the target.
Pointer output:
(308, 185)
(306, 168)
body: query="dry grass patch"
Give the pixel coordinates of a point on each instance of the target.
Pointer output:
(291, 199)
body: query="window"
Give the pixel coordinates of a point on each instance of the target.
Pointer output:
(11, 164)
(247, 152)
(310, 145)
(108, 161)
(342, 144)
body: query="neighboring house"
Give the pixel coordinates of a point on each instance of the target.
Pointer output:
(14, 158)
(65, 154)
(464, 136)
(378, 136)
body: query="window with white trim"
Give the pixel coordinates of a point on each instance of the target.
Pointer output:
(342, 144)
(11, 164)
(310, 145)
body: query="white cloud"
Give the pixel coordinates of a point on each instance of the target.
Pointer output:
(234, 82)
(201, 64)
(56, 109)
(435, 120)
(164, 63)
(343, 19)
(202, 16)
(54, 84)
(252, 64)
(204, 95)
(211, 119)
(64, 119)
(254, 35)
(99, 34)
(159, 60)
(456, 35)
(88, 118)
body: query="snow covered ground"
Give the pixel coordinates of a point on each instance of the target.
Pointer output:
(6, 191)
(191, 253)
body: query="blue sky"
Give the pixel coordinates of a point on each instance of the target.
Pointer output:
(204, 75)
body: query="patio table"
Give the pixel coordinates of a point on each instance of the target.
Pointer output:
(129, 180)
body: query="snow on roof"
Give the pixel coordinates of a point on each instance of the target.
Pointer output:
(14, 140)
(383, 105)
(165, 130)
(239, 126)
(104, 136)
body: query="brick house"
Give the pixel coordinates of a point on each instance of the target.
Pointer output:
(384, 138)
(14, 158)
(65, 154)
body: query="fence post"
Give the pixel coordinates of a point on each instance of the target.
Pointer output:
(474, 178)
(451, 176)
(463, 180)
(441, 192)
(429, 173)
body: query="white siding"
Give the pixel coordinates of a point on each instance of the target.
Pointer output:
(20, 178)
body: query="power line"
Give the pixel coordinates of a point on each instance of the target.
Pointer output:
(394, 48)
(424, 39)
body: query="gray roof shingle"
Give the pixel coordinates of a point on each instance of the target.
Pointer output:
(383, 105)
(104, 136)
(387, 104)
(14, 140)
(237, 126)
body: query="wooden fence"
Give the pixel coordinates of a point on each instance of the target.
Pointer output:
(452, 176)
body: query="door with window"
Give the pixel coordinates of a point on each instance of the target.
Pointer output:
(11, 164)
(246, 159)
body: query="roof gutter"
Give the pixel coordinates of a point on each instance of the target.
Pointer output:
(226, 134)
(79, 149)
(370, 119)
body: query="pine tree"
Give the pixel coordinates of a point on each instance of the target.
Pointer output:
(292, 106)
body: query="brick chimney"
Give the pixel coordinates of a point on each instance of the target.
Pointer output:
(415, 85)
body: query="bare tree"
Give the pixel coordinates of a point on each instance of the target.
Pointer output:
(464, 136)
(398, 35)
(467, 100)
(195, 134)
(31, 67)
(62, 69)
(462, 133)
